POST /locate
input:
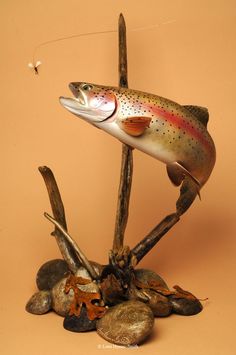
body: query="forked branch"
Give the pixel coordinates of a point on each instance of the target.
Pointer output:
(83, 259)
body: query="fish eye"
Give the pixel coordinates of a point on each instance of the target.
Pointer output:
(87, 87)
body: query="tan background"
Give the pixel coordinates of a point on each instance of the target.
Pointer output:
(190, 57)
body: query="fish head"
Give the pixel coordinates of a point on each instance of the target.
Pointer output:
(93, 103)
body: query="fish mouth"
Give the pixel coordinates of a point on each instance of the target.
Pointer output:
(79, 105)
(79, 95)
(73, 104)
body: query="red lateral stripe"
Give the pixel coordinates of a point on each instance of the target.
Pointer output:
(184, 125)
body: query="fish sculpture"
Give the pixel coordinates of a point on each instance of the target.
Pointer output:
(174, 134)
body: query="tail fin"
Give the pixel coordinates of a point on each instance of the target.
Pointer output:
(188, 192)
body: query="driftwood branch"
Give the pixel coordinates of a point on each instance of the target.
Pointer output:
(127, 155)
(143, 247)
(83, 259)
(188, 193)
(57, 206)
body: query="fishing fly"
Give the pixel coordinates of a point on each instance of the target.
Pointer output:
(35, 66)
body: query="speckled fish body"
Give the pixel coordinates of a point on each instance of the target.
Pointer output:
(169, 132)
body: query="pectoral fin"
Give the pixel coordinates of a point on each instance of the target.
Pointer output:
(176, 172)
(135, 126)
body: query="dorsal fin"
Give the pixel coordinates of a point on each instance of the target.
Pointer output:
(201, 113)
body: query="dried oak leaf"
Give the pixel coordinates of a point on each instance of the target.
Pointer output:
(154, 285)
(183, 293)
(82, 297)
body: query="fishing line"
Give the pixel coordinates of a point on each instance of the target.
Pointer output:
(68, 37)
(35, 64)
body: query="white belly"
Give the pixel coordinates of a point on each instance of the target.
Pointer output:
(143, 143)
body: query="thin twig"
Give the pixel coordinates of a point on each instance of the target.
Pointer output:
(127, 155)
(66, 250)
(84, 261)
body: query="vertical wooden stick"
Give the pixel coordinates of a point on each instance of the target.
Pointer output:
(127, 155)
(66, 250)
(123, 65)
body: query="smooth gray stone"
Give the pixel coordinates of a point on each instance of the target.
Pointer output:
(39, 303)
(184, 306)
(127, 323)
(79, 324)
(61, 301)
(50, 273)
(158, 303)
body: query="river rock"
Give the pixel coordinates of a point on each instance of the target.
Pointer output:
(127, 323)
(39, 303)
(185, 306)
(79, 324)
(159, 304)
(61, 301)
(146, 275)
(82, 272)
(50, 273)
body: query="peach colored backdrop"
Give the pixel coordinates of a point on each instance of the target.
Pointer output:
(189, 57)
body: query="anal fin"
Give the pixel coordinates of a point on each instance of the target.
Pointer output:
(177, 172)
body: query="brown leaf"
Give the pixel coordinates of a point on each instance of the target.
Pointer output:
(82, 297)
(183, 293)
(153, 285)
(158, 287)
(72, 282)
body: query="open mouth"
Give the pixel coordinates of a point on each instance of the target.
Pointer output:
(79, 95)
(79, 101)
(81, 106)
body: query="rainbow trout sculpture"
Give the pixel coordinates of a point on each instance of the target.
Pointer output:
(174, 134)
(119, 300)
